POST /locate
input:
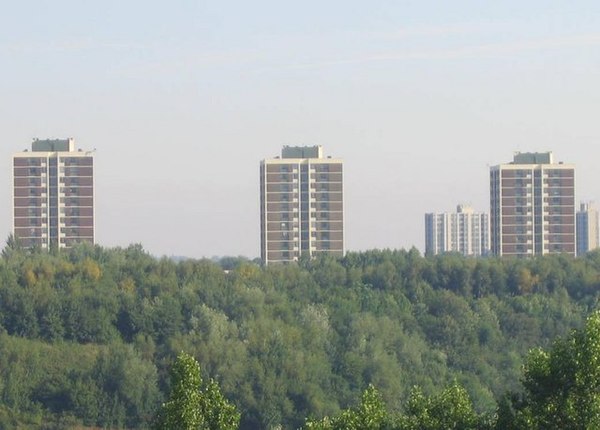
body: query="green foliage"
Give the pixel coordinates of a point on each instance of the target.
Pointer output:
(562, 385)
(284, 342)
(369, 414)
(192, 407)
(183, 409)
(450, 409)
(12, 247)
(102, 385)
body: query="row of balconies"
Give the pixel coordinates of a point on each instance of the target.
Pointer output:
(283, 168)
(314, 246)
(287, 187)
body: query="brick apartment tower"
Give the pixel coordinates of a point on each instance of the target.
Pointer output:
(532, 206)
(301, 205)
(53, 197)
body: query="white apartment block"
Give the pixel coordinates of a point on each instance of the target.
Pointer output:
(463, 231)
(587, 228)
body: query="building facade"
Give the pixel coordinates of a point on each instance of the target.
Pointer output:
(53, 195)
(532, 206)
(587, 228)
(464, 231)
(301, 205)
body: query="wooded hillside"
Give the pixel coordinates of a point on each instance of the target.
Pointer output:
(87, 335)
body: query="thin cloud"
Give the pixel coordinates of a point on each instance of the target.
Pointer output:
(492, 50)
(79, 45)
(501, 49)
(443, 30)
(188, 63)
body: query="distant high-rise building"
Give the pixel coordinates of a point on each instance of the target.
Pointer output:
(587, 228)
(301, 205)
(532, 206)
(465, 232)
(53, 197)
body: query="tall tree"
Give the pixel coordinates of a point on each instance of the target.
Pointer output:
(192, 406)
(562, 385)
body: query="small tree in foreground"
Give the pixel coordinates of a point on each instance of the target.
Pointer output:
(193, 407)
(562, 385)
(450, 409)
(370, 414)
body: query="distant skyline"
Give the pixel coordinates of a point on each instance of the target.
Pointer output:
(183, 99)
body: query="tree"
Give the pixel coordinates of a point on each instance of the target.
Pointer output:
(191, 406)
(370, 414)
(12, 246)
(451, 409)
(562, 385)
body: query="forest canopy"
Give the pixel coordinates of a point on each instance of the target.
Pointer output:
(87, 335)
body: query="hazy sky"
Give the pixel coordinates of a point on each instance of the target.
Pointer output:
(182, 99)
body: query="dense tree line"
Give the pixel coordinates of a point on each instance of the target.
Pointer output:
(87, 335)
(561, 391)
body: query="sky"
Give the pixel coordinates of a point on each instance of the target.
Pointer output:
(182, 99)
